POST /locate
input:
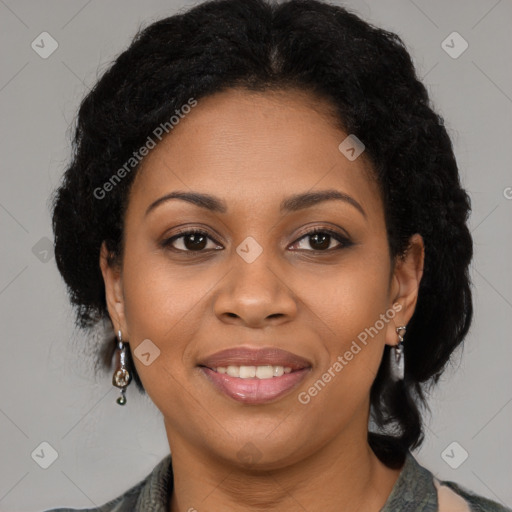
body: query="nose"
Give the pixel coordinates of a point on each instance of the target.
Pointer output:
(255, 294)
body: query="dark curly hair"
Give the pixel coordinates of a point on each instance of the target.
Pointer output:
(367, 76)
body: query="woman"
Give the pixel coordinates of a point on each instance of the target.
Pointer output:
(267, 209)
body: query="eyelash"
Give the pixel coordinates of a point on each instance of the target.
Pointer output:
(345, 242)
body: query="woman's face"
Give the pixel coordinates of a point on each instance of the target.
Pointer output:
(257, 280)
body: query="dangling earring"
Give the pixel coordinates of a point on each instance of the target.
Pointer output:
(122, 376)
(397, 366)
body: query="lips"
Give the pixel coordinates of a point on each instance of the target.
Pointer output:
(245, 356)
(255, 391)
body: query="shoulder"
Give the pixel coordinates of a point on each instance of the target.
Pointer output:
(476, 502)
(153, 489)
(418, 490)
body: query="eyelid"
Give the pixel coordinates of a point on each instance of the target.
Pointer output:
(330, 229)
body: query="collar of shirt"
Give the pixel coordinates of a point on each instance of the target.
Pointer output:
(414, 490)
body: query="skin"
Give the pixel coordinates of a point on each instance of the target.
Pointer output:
(252, 150)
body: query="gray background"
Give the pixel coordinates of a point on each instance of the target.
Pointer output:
(48, 391)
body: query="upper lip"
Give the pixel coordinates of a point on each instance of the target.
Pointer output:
(244, 356)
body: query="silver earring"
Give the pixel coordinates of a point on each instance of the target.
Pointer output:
(122, 376)
(397, 366)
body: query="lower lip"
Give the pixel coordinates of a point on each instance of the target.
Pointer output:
(255, 391)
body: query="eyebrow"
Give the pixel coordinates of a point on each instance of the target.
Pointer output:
(289, 204)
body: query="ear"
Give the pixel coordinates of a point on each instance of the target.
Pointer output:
(405, 284)
(112, 277)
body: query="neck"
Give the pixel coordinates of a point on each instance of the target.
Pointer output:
(345, 474)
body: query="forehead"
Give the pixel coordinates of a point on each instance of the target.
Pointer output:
(252, 149)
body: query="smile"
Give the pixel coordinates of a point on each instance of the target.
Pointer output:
(242, 383)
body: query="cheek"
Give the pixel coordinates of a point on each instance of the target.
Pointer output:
(349, 297)
(160, 295)
(165, 303)
(348, 306)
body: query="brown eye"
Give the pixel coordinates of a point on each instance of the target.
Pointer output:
(193, 241)
(320, 240)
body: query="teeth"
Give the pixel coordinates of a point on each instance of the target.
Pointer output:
(277, 371)
(249, 372)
